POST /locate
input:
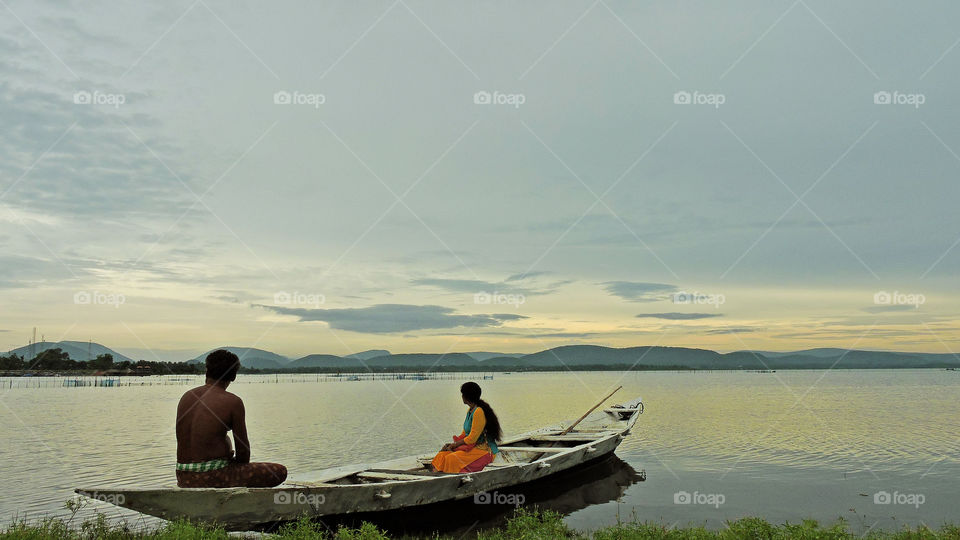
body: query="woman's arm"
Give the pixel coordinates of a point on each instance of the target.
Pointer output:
(456, 439)
(476, 428)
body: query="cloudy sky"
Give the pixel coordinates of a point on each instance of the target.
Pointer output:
(458, 176)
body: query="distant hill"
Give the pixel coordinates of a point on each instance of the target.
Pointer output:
(414, 362)
(590, 356)
(366, 355)
(595, 356)
(250, 358)
(483, 355)
(819, 353)
(324, 361)
(76, 349)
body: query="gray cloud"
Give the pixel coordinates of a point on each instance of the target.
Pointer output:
(20, 272)
(674, 316)
(391, 318)
(526, 275)
(638, 291)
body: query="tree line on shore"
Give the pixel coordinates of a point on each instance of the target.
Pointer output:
(57, 360)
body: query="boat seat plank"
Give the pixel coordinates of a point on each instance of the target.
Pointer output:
(420, 473)
(563, 438)
(329, 475)
(390, 476)
(538, 449)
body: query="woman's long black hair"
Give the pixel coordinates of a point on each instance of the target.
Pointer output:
(471, 391)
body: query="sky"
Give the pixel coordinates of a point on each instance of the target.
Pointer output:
(331, 177)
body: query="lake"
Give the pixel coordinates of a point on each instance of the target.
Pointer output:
(876, 447)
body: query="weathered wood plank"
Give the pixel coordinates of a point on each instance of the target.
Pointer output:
(543, 449)
(391, 476)
(573, 437)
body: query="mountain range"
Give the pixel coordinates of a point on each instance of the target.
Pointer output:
(558, 358)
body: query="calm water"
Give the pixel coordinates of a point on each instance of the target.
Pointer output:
(785, 445)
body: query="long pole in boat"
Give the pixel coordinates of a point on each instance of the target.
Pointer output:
(573, 425)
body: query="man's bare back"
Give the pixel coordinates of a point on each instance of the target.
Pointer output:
(205, 415)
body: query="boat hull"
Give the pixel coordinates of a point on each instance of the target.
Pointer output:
(255, 508)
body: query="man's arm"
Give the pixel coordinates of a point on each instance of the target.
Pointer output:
(239, 426)
(183, 428)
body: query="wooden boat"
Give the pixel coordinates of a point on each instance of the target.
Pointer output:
(388, 485)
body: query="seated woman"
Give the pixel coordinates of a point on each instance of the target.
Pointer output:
(473, 449)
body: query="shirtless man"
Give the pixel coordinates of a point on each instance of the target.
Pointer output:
(205, 457)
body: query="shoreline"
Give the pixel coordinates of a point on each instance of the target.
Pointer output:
(523, 524)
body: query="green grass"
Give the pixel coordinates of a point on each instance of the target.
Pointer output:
(524, 525)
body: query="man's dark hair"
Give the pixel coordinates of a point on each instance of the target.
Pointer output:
(222, 365)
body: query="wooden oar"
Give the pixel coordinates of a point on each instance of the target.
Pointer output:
(573, 425)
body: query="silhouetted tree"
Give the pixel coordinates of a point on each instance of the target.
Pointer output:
(101, 362)
(11, 362)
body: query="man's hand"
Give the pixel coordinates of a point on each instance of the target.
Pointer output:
(446, 448)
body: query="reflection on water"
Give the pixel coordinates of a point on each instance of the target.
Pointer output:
(829, 436)
(598, 482)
